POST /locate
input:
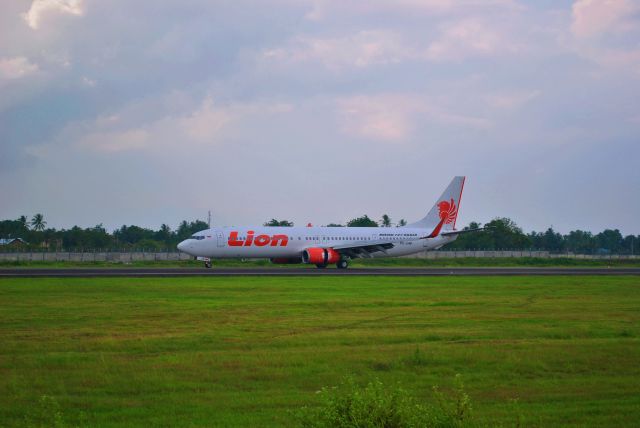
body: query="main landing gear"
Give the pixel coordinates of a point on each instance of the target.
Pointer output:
(207, 265)
(342, 264)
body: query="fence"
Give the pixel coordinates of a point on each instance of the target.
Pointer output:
(124, 257)
(516, 253)
(115, 257)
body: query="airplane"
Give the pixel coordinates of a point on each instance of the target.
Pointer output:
(323, 246)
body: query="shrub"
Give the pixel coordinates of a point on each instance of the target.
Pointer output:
(375, 405)
(46, 414)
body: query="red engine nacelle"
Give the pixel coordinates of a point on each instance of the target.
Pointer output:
(313, 255)
(320, 256)
(332, 255)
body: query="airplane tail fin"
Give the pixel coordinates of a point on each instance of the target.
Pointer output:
(445, 210)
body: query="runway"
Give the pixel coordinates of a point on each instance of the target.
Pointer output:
(296, 271)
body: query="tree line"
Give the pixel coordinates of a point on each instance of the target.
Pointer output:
(498, 234)
(38, 236)
(504, 234)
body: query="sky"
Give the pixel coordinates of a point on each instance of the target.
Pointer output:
(320, 111)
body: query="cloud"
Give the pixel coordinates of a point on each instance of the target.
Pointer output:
(41, 8)
(88, 82)
(111, 134)
(381, 117)
(458, 40)
(361, 49)
(511, 100)
(15, 68)
(457, 120)
(103, 94)
(619, 59)
(117, 141)
(322, 8)
(326, 9)
(468, 38)
(606, 33)
(395, 117)
(594, 17)
(206, 124)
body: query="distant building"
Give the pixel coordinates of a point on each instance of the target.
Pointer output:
(13, 242)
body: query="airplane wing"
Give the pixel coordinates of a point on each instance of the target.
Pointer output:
(364, 249)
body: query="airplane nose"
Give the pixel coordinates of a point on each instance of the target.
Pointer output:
(182, 246)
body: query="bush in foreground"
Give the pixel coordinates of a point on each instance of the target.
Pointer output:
(376, 405)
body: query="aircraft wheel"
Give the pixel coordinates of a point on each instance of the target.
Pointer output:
(321, 266)
(207, 265)
(342, 264)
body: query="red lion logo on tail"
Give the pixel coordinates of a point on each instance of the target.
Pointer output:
(448, 211)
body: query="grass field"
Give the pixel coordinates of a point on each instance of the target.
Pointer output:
(245, 351)
(357, 263)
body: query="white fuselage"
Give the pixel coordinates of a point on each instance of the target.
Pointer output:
(290, 242)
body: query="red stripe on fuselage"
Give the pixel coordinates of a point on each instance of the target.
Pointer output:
(436, 231)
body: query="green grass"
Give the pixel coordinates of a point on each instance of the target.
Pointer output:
(495, 262)
(383, 262)
(246, 351)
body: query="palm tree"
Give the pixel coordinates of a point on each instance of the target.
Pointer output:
(363, 221)
(273, 222)
(38, 223)
(183, 230)
(402, 222)
(386, 221)
(23, 219)
(164, 234)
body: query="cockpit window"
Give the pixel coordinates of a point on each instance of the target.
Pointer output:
(197, 237)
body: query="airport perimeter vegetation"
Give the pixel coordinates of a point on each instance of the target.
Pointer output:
(246, 351)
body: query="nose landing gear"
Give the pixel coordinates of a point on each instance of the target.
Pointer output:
(206, 260)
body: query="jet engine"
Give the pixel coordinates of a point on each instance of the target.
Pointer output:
(320, 256)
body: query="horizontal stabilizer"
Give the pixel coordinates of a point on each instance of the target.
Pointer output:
(460, 232)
